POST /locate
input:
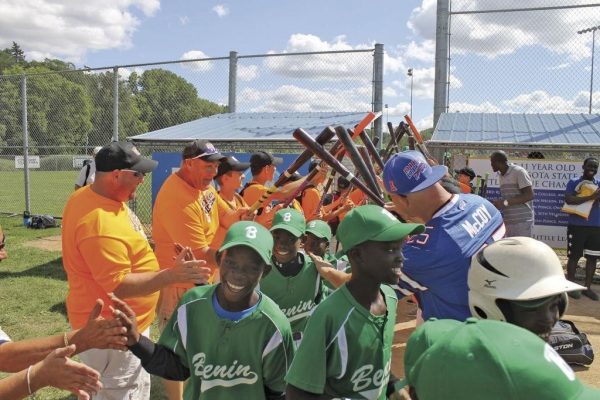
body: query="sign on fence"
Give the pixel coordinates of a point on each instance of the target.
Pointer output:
(549, 179)
(79, 160)
(34, 162)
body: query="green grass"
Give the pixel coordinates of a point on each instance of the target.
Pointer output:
(33, 289)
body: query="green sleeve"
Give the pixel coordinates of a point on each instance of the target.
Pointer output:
(277, 360)
(309, 368)
(171, 338)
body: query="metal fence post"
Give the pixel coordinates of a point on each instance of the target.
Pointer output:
(441, 61)
(233, 59)
(25, 141)
(115, 134)
(378, 88)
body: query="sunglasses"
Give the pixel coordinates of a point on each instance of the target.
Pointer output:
(137, 174)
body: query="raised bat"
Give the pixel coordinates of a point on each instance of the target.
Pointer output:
(371, 149)
(325, 136)
(419, 143)
(362, 150)
(308, 142)
(356, 159)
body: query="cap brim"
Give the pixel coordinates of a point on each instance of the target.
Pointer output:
(539, 290)
(145, 165)
(277, 160)
(294, 231)
(266, 259)
(213, 157)
(242, 166)
(318, 234)
(437, 173)
(398, 232)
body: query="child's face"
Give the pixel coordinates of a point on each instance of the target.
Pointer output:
(285, 246)
(464, 178)
(539, 320)
(382, 261)
(241, 269)
(315, 245)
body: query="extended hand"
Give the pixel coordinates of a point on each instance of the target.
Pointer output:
(127, 317)
(100, 333)
(186, 270)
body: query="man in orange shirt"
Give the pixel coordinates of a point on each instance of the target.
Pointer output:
(105, 250)
(188, 210)
(263, 167)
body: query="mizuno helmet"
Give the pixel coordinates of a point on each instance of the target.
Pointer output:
(515, 268)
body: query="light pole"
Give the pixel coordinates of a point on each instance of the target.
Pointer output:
(593, 30)
(387, 113)
(410, 73)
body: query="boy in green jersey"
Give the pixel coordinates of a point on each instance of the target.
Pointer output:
(316, 243)
(294, 283)
(229, 339)
(347, 346)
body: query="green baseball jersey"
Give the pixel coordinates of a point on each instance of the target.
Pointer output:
(229, 359)
(296, 295)
(346, 351)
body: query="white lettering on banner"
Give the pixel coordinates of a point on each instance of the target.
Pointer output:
(222, 375)
(479, 220)
(33, 162)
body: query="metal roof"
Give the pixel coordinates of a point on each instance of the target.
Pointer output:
(543, 130)
(241, 127)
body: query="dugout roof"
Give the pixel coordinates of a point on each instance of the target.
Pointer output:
(250, 127)
(566, 132)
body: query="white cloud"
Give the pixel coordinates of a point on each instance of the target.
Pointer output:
(124, 73)
(221, 10)
(351, 66)
(247, 72)
(485, 107)
(294, 98)
(69, 29)
(423, 52)
(389, 92)
(184, 20)
(423, 83)
(495, 34)
(201, 66)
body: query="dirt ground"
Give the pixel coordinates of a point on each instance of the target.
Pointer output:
(584, 312)
(50, 243)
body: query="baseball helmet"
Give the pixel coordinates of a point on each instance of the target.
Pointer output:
(515, 268)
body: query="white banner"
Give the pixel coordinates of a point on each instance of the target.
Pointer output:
(79, 160)
(550, 178)
(34, 162)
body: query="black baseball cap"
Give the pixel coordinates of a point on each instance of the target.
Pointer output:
(231, 164)
(202, 149)
(466, 171)
(123, 155)
(262, 159)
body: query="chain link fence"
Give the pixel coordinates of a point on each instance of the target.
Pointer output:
(69, 112)
(522, 57)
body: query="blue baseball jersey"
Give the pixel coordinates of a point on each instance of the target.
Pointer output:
(594, 218)
(437, 261)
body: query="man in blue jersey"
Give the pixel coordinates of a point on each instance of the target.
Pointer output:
(456, 227)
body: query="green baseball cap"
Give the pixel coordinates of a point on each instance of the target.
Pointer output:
(423, 338)
(291, 220)
(251, 234)
(371, 222)
(487, 359)
(319, 228)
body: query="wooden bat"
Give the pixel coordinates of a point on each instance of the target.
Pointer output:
(362, 150)
(371, 149)
(419, 143)
(308, 142)
(356, 159)
(395, 140)
(325, 136)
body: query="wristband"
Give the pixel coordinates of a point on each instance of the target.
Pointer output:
(29, 382)
(66, 339)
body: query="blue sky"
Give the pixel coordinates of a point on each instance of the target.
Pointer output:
(531, 62)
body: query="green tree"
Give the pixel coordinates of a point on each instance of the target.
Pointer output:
(17, 53)
(166, 99)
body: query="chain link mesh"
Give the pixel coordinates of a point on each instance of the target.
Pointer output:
(539, 58)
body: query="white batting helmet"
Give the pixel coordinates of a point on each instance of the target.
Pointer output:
(515, 268)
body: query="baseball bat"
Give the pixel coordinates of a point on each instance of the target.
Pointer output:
(356, 159)
(364, 154)
(322, 138)
(376, 141)
(308, 142)
(371, 149)
(419, 143)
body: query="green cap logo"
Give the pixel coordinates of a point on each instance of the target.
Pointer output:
(290, 220)
(375, 223)
(250, 234)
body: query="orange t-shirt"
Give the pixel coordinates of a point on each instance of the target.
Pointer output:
(238, 202)
(102, 242)
(357, 197)
(185, 215)
(253, 192)
(311, 197)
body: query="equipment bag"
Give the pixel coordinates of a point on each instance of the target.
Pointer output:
(572, 345)
(42, 221)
